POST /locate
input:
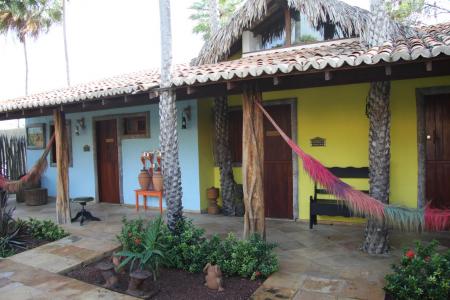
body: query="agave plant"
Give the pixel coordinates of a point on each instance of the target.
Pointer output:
(9, 228)
(152, 254)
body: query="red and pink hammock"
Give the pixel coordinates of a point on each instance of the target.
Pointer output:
(362, 204)
(358, 202)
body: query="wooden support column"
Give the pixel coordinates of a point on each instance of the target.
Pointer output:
(253, 162)
(62, 168)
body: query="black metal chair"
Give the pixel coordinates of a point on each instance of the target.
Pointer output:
(83, 213)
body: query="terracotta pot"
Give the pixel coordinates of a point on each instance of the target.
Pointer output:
(212, 194)
(158, 181)
(144, 179)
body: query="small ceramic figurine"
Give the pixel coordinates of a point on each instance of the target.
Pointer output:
(213, 277)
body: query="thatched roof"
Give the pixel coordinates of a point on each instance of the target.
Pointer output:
(346, 17)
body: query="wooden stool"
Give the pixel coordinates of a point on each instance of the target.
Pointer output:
(146, 194)
(83, 213)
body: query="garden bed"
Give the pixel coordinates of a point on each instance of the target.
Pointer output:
(30, 242)
(173, 284)
(25, 235)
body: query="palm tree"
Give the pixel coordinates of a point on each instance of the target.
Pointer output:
(66, 52)
(221, 119)
(168, 124)
(378, 112)
(29, 18)
(202, 15)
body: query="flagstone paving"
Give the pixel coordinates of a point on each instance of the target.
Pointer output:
(323, 263)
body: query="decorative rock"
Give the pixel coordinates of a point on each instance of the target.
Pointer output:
(108, 274)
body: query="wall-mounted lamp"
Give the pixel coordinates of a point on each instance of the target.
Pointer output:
(80, 125)
(185, 117)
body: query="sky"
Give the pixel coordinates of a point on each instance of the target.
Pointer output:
(105, 38)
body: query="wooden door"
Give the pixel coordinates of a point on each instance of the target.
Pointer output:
(278, 187)
(277, 164)
(437, 124)
(107, 161)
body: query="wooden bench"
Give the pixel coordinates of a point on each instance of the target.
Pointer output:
(333, 207)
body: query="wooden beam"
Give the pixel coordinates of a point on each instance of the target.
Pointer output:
(287, 26)
(62, 168)
(328, 75)
(429, 66)
(253, 162)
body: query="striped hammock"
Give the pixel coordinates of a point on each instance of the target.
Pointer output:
(362, 204)
(13, 186)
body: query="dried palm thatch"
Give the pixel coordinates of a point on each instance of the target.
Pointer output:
(12, 156)
(347, 18)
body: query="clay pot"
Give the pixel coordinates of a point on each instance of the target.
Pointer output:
(144, 179)
(107, 270)
(158, 181)
(212, 194)
(136, 280)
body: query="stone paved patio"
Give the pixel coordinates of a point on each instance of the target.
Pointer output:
(323, 263)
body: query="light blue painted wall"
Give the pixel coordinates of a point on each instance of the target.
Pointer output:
(82, 173)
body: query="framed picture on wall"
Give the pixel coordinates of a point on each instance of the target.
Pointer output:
(36, 136)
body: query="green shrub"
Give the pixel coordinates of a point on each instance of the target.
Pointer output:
(9, 228)
(191, 251)
(186, 248)
(422, 274)
(44, 230)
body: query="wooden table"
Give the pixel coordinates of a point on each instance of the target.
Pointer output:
(148, 193)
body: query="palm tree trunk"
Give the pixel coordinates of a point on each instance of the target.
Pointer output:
(25, 54)
(227, 183)
(168, 124)
(66, 53)
(376, 233)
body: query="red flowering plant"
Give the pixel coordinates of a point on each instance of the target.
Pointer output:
(146, 247)
(423, 273)
(131, 235)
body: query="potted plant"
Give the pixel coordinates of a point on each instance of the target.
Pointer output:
(149, 251)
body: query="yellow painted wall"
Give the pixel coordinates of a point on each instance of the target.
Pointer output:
(205, 139)
(338, 114)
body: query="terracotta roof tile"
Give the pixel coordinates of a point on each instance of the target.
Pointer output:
(431, 42)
